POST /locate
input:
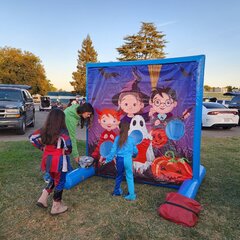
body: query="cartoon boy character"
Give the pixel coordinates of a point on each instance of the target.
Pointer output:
(109, 120)
(162, 102)
(131, 100)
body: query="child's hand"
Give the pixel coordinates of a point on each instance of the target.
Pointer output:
(105, 136)
(76, 159)
(102, 160)
(186, 114)
(151, 112)
(104, 163)
(157, 122)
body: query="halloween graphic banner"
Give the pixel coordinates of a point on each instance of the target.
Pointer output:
(158, 99)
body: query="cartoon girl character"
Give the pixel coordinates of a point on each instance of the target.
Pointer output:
(109, 120)
(131, 100)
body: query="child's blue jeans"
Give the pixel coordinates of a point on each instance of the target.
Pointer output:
(121, 167)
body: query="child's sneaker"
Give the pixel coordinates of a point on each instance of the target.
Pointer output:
(118, 192)
(131, 197)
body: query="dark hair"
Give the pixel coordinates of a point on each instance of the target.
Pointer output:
(124, 128)
(53, 126)
(85, 107)
(169, 91)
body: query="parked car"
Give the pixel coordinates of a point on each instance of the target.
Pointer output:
(36, 98)
(209, 99)
(45, 103)
(235, 102)
(65, 102)
(217, 115)
(16, 107)
(224, 102)
(55, 103)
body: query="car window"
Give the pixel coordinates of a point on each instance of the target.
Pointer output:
(24, 95)
(235, 99)
(10, 95)
(223, 101)
(28, 95)
(45, 99)
(213, 105)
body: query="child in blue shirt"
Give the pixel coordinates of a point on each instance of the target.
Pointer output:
(124, 148)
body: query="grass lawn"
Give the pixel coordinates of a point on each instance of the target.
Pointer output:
(94, 214)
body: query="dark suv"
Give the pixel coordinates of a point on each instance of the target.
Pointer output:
(16, 107)
(235, 102)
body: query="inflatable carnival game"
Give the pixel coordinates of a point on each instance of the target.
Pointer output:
(162, 101)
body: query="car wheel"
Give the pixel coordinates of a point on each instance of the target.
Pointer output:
(227, 127)
(33, 122)
(22, 130)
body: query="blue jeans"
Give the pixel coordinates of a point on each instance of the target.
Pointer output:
(121, 167)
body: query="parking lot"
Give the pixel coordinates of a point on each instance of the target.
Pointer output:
(7, 135)
(40, 117)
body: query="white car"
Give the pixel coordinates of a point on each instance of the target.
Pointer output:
(217, 115)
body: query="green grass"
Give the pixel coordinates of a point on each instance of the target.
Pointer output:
(94, 214)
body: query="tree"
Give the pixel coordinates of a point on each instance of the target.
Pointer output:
(18, 67)
(207, 88)
(229, 88)
(86, 55)
(235, 89)
(52, 88)
(148, 43)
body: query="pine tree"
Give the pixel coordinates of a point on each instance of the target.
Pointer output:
(86, 55)
(148, 43)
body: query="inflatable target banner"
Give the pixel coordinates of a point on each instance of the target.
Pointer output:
(162, 102)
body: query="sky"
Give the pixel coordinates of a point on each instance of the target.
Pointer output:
(54, 30)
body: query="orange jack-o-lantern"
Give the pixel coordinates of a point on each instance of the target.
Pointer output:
(171, 169)
(159, 138)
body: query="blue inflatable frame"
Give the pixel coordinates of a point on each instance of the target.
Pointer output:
(189, 187)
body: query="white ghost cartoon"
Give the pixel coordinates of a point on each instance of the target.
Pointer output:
(145, 151)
